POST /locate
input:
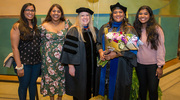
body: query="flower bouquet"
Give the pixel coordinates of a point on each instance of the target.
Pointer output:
(118, 41)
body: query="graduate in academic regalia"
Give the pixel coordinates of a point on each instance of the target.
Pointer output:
(79, 56)
(116, 76)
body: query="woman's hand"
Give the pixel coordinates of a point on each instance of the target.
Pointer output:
(71, 70)
(20, 72)
(101, 53)
(159, 72)
(112, 55)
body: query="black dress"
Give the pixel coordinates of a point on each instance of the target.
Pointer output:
(83, 56)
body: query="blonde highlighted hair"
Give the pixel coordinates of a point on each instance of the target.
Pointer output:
(80, 27)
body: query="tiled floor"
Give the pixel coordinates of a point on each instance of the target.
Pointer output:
(170, 85)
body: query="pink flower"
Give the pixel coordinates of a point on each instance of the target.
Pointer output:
(51, 71)
(63, 81)
(59, 47)
(66, 26)
(42, 84)
(57, 55)
(47, 45)
(119, 37)
(44, 92)
(55, 83)
(48, 36)
(48, 59)
(61, 67)
(42, 35)
(47, 79)
(52, 89)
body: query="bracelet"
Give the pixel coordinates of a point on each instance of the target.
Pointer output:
(19, 68)
(159, 66)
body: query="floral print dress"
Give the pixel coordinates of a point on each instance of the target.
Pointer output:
(53, 77)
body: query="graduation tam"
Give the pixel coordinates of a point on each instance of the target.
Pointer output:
(83, 9)
(119, 6)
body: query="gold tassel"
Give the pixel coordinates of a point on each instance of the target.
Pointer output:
(126, 14)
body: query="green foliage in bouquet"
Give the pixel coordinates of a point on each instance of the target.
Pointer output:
(101, 63)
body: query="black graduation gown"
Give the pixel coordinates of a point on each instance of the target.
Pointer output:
(83, 56)
(124, 71)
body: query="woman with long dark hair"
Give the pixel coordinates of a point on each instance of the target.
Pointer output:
(25, 42)
(151, 55)
(53, 30)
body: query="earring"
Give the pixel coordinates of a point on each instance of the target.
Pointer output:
(124, 18)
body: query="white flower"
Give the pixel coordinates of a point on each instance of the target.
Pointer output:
(109, 35)
(60, 33)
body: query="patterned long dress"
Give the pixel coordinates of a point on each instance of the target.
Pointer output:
(53, 78)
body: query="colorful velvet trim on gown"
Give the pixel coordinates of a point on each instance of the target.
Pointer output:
(112, 76)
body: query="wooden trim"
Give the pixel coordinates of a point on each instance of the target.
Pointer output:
(9, 16)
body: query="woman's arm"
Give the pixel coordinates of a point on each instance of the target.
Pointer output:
(15, 37)
(160, 52)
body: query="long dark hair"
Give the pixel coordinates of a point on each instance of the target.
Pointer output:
(124, 21)
(26, 33)
(48, 17)
(152, 35)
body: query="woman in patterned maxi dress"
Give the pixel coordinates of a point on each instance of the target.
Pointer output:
(53, 31)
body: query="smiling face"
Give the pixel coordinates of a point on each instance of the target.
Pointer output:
(55, 14)
(84, 18)
(29, 12)
(118, 15)
(143, 16)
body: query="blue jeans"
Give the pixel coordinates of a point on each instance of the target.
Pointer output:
(31, 73)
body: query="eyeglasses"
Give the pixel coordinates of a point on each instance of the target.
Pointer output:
(29, 10)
